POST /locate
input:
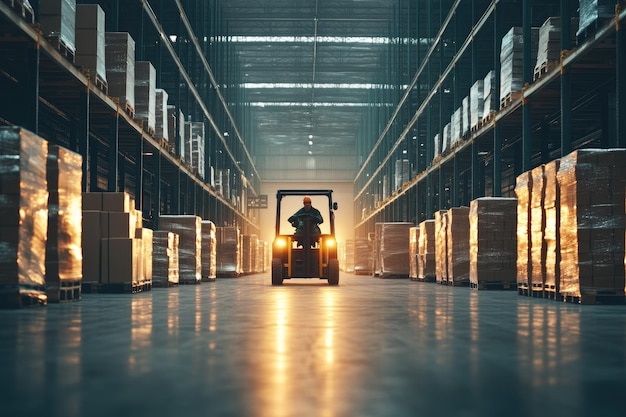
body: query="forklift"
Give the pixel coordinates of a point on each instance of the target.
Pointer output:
(305, 254)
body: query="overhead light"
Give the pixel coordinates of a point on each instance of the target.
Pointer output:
(310, 142)
(310, 152)
(225, 134)
(310, 136)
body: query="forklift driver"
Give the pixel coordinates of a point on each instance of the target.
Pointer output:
(314, 219)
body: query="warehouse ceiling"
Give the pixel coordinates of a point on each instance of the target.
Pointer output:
(309, 69)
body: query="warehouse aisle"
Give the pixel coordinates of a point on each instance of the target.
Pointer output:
(369, 347)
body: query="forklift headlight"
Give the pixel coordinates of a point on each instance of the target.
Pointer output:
(281, 242)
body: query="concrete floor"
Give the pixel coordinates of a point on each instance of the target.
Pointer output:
(369, 347)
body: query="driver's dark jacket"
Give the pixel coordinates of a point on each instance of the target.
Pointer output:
(298, 222)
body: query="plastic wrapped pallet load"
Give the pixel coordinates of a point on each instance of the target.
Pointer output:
(426, 249)
(457, 234)
(209, 251)
(477, 103)
(164, 258)
(64, 258)
(592, 185)
(523, 189)
(57, 19)
(363, 255)
(90, 40)
(441, 246)
(25, 218)
(189, 230)
(249, 253)
(493, 245)
(413, 251)
(145, 95)
(120, 67)
(590, 12)
(394, 249)
(552, 215)
(228, 251)
(512, 62)
(537, 229)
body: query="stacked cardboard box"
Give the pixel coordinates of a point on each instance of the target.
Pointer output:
(64, 259)
(426, 270)
(537, 228)
(552, 208)
(592, 184)
(57, 19)
(363, 256)
(145, 94)
(90, 41)
(511, 59)
(394, 249)
(348, 255)
(24, 220)
(209, 251)
(228, 251)
(413, 251)
(493, 244)
(523, 189)
(189, 230)
(120, 67)
(458, 245)
(113, 242)
(261, 255)
(441, 246)
(402, 173)
(456, 126)
(164, 258)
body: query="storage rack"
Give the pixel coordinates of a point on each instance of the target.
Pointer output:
(44, 92)
(575, 103)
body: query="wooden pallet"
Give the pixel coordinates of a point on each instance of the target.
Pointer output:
(64, 291)
(493, 285)
(509, 98)
(544, 68)
(116, 287)
(24, 11)
(595, 296)
(65, 50)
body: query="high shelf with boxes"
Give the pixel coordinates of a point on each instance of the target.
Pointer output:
(56, 87)
(538, 81)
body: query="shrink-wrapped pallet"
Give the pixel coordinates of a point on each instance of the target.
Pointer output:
(64, 258)
(90, 40)
(120, 67)
(592, 184)
(537, 228)
(552, 208)
(228, 251)
(363, 256)
(194, 142)
(249, 253)
(57, 19)
(592, 12)
(426, 269)
(493, 245)
(349, 253)
(24, 196)
(441, 246)
(457, 234)
(413, 251)
(523, 190)
(511, 59)
(477, 103)
(209, 251)
(189, 230)
(394, 249)
(465, 117)
(161, 122)
(145, 94)
(164, 258)
(489, 94)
